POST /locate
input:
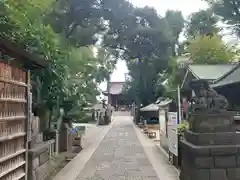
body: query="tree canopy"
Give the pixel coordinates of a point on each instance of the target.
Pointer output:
(228, 11)
(209, 50)
(74, 73)
(176, 22)
(201, 23)
(82, 40)
(138, 35)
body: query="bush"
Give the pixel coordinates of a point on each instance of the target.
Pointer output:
(182, 127)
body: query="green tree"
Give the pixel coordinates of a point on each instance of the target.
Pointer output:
(127, 32)
(74, 72)
(209, 50)
(201, 23)
(145, 41)
(176, 22)
(228, 11)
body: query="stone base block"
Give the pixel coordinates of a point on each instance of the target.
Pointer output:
(42, 171)
(204, 139)
(215, 162)
(207, 122)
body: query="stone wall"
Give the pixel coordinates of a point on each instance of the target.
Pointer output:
(38, 154)
(211, 148)
(38, 162)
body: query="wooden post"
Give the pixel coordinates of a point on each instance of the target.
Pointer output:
(28, 138)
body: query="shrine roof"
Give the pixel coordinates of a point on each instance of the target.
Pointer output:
(210, 72)
(231, 77)
(206, 72)
(115, 88)
(29, 61)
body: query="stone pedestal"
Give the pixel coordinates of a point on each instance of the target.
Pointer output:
(65, 138)
(211, 148)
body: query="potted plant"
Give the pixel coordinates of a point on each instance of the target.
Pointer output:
(182, 128)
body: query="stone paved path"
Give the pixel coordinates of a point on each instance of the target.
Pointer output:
(120, 156)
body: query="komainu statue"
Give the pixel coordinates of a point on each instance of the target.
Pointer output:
(206, 97)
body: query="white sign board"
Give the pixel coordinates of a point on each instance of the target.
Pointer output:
(172, 132)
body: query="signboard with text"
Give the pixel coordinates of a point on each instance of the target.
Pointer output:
(172, 133)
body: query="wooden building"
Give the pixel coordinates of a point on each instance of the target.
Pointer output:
(115, 95)
(15, 107)
(229, 86)
(206, 72)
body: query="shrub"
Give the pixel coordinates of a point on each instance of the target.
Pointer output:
(182, 127)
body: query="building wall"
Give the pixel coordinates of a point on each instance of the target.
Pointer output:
(117, 100)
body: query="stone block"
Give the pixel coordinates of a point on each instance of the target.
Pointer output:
(226, 138)
(207, 122)
(190, 137)
(218, 174)
(35, 163)
(211, 148)
(42, 171)
(238, 160)
(223, 150)
(44, 157)
(200, 174)
(182, 175)
(233, 173)
(194, 149)
(36, 140)
(225, 162)
(204, 162)
(206, 139)
(36, 151)
(202, 139)
(40, 137)
(35, 125)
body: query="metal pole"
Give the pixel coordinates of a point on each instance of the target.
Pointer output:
(179, 106)
(108, 105)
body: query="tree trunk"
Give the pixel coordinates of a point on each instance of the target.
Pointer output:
(43, 114)
(50, 117)
(173, 49)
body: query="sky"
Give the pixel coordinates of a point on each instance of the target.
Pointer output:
(186, 6)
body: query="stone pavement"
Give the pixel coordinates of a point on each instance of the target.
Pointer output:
(123, 153)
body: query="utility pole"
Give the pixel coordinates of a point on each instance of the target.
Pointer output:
(109, 99)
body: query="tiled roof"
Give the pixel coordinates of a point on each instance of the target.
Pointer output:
(230, 78)
(29, 61)
(210, 72)
(150, 107)
(116, 88)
